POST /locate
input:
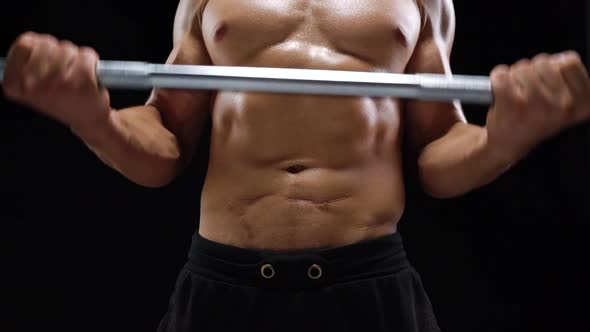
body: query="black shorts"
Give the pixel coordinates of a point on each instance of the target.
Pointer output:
(367, 286)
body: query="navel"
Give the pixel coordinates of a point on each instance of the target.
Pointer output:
(295, 169)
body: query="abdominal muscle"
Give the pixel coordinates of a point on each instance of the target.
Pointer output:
(291, 172)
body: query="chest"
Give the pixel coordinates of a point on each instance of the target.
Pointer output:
(378, 31)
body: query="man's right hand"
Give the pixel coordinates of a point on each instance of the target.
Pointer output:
(58, 79)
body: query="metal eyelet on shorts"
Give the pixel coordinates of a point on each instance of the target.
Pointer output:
(315, 272)
(267, 271)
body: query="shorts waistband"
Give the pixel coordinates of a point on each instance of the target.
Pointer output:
(297, 269)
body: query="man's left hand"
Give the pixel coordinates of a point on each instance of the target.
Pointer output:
(534, 100)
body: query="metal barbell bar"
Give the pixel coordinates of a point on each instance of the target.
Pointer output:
(428, 87)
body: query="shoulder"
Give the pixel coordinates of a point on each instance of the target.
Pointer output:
(438, 18)
(433, 6)
(188, 17)
(440, 13)
(200, 8)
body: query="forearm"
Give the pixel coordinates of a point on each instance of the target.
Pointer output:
(459, 162)
(136, 144)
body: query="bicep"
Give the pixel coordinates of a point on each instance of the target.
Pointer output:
(426, 122)
(185, 112)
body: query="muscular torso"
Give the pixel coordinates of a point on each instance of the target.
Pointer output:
(293, 172)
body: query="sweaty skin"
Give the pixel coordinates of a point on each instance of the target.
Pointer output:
(289, 172)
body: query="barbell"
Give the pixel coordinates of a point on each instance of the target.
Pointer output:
(135, 75)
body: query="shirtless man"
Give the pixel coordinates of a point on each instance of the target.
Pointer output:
(303, 193)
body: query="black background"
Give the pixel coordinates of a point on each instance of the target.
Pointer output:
(85, 249)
